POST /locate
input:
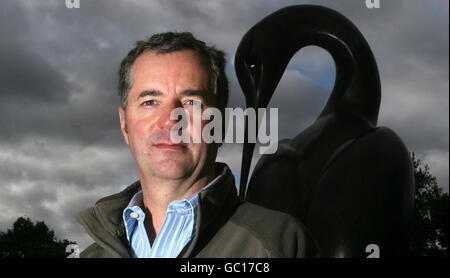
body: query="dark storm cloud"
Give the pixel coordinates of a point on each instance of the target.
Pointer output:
(42, 160)
(26, 76)
(37, 96)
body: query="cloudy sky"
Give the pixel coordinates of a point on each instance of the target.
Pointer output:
(60, 143)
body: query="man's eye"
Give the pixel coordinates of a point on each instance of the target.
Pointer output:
(193, 102)
(149, 102)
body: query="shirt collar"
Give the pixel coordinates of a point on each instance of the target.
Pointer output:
(191, 202)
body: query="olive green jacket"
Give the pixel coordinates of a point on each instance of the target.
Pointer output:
(226, 226)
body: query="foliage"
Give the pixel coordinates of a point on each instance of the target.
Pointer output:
(31, 240)
(430, 234)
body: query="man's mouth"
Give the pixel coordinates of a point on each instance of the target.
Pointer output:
(170, 146)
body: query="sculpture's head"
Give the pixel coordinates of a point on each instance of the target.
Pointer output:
(260, 61)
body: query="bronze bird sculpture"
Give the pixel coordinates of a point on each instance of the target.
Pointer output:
(347, 180)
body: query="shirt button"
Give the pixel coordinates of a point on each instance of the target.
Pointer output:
(134, 215)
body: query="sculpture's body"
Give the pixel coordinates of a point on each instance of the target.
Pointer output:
(350, 182)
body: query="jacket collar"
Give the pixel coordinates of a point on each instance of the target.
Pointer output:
(216, 204)
(104, 222)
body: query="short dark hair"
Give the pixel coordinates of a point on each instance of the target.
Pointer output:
(213, 59)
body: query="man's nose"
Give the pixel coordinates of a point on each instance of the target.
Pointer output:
(165, 121)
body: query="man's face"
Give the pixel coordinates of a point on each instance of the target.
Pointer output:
(161, 83)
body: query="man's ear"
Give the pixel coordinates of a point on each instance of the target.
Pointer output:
(123, 124)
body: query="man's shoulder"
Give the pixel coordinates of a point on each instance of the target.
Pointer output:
(252, 212)
(261, 219)
(277, 230)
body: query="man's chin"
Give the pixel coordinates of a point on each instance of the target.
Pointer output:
(172, 169)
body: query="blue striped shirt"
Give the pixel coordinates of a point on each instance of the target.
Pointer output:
(176, 231)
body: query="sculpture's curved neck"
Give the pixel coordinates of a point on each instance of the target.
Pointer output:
(267, 48)
(357, 87)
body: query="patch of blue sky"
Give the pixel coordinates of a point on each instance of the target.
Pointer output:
(324, 76)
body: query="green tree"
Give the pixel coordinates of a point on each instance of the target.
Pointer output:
(430, 233)
(31, 240)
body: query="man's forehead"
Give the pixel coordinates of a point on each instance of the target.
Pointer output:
(185, 63)
(178, 65)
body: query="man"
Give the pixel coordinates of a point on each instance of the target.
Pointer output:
(184, 204)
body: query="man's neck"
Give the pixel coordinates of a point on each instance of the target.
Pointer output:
(159, 193)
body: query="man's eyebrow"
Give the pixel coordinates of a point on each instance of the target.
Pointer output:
(201, 93)
(150, 93)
